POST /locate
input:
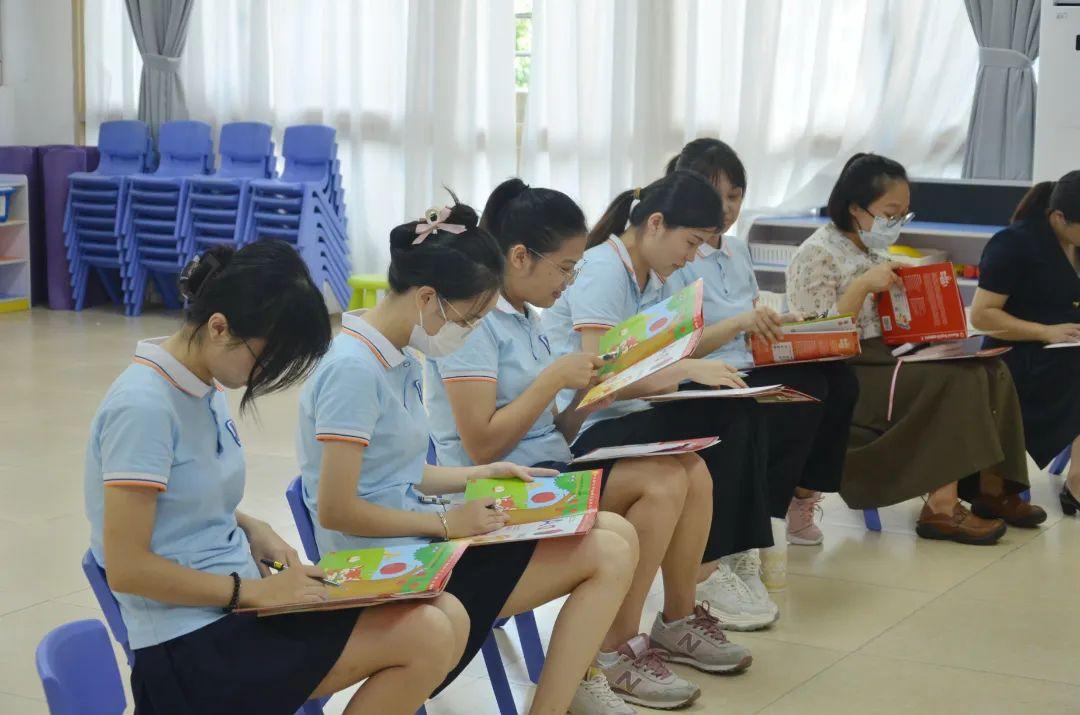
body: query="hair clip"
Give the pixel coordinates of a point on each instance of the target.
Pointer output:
(185, 276)
(636, 200)
(433, 222)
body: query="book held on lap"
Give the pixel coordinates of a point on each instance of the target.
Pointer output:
(821, 340)
(655, 338)
(650, 449)
(927, 308)
(768, 394)
(548, 507)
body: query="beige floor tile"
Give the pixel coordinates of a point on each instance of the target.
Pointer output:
(47, 560)
(1034, 639)
(872, 685)
(839, 615)
(16, 705)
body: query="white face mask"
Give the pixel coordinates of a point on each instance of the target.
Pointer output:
(450, 337)
(882, 234)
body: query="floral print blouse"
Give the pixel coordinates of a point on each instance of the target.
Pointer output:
(824, 268)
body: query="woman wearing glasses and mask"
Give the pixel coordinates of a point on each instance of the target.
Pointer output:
(955, 431)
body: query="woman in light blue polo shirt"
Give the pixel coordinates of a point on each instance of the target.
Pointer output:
(645, 235)
(807, 443)
(494, 399)
(363, 438)
(164, 475)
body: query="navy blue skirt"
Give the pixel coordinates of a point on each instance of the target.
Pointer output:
(241, 664)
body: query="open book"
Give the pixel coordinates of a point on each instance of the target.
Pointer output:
(969, 349)
(650, 449)
(768, 394)
(655, 338)
(548, 507)
(366, 577)
(820, 340)
(926, 309)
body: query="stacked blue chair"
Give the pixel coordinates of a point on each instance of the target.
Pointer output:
(152, 220)
(78, 671)
(306, 207)
(96, 205)
(216, 207)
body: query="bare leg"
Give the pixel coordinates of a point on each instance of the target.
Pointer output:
(1072, 479)
(650, 493)
(681, 562)
(596, 570)
(706, 570)
(943, 499)
(801, 493)
(404, 651)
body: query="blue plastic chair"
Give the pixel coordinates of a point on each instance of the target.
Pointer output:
(78, 670)
(111, 609)
(500, 684)
(1060, 462)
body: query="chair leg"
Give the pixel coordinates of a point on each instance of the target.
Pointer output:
(500, 685)
(1060, 462)
(531, 647)
(872, 519)
(1026, 495)
(311, 707)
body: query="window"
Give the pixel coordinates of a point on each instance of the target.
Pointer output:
(522, 43)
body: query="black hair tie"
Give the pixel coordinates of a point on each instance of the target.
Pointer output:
(185, 276)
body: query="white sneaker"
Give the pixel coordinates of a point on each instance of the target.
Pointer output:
(731, 601)
(595, 697)
(747, 566)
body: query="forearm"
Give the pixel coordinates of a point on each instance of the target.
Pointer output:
(247, 522)
(569, 421)
(148, 575)
(717, 335)
(510, 423)
(1004, 326)
(360, 517)
(851, 302)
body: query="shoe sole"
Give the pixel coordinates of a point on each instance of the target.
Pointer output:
(1029, 523)
(712, 670)
(659, 706)
(745, 625)
(932, 532)
(799, 541)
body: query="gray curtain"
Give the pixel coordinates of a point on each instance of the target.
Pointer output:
(1001, 134)
(160, 28)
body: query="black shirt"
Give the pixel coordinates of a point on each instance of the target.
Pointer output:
(1025, 262)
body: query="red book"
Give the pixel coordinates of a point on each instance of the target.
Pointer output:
(820, 340)
(926, 309)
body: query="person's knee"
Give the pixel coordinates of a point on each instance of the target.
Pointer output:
(613, 544)
(459, 620)
(699, 485)
(428, 635)
(666, 485)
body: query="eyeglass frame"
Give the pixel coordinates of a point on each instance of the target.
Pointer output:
(568, 276)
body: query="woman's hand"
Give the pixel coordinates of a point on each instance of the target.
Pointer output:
(1061, 333)
(763, 321)
(266, 544)
(714, 373)
(575, 371)
(293, 585)
(881, 277)
(474, 518)
(509, 469)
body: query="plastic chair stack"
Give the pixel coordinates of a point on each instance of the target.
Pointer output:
(306, 207)
(152, 220)
(78, 671)
(216, 206)
(96, 205)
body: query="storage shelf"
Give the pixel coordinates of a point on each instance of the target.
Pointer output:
(15, 268)
(14, 222)
(9, 261)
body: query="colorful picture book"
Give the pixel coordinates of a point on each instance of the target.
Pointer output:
(820, 340)
(651, 449)
(927, 308)
(969, 349)
(655, 338)
(766, 395)
(546, 508)
(366, 577)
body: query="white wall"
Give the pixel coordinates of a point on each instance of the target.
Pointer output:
(1057, 110)
(37, 104)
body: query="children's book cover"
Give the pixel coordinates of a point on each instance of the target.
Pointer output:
(820, 340)
(365, 577)
(766, 395)
(927, 308)
(563, 505)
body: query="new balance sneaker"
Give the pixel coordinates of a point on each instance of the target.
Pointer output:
(731, 601)
(698, 641)
(638, 674)
(595, 697)
(801, 529)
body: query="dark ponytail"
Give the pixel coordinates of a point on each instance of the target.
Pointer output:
(862, 181)
(683, 198)
(458, 266)
(537, 218)
(672, 164)
(711, 158)
(1048, 196)
(264, 290)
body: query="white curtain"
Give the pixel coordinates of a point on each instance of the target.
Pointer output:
(795, 86)
(421, 93)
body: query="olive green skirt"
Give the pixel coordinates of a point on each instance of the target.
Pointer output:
(950, 421)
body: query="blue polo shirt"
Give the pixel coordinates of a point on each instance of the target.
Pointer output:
(510, 349)
(162, 428)
(730, 288)
(365, 391)
(605, 294)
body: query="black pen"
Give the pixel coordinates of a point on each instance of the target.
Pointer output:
(278, 566)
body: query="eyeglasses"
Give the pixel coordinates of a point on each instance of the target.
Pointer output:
(458, 317)
(258, 358)
(568, 276)
(894, 221)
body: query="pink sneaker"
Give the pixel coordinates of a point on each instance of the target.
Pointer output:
(801, 529)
